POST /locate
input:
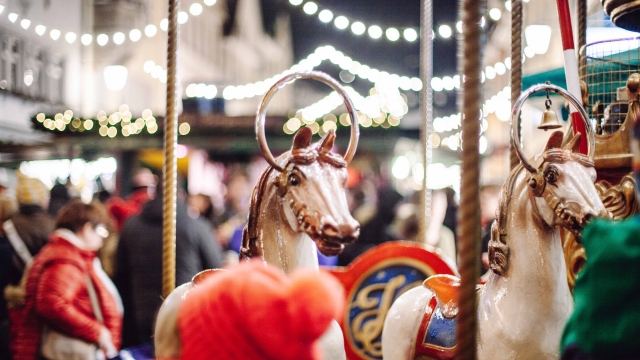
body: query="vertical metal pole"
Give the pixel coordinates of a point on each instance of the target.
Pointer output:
(169, 178)
(571, 69)
(426, 108)
(582, 37)
(516, 66)
(470, 60)
(87, 104)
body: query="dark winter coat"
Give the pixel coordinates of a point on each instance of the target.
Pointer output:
(34, 226)
(139, 264)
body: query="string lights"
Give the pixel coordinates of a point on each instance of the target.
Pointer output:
(393, 34)
(325, 15)
(119, 122)
(384, 106)
(117, 38)
(392, 82)
(336, 57)
(499, 104)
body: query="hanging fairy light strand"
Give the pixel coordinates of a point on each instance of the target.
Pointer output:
(376, 32)
(107, 125)
(102, 39)
(325, 15)
(336, 57)
(498, 104)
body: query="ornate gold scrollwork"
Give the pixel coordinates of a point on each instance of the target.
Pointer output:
(620, 200)
(367, 331)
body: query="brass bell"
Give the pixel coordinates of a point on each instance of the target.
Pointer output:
(549, 121)
(549, 117)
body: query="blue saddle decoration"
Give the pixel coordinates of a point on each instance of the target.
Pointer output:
(441, 331)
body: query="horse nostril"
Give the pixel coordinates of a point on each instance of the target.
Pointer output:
(330, 230)
(588, 217)
(350, 230)
(344, 233)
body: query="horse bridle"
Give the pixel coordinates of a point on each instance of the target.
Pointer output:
(537, 182)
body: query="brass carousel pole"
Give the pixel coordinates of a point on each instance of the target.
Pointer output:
(426, 108)
(169, 175)
(470, 59)
(516, 66)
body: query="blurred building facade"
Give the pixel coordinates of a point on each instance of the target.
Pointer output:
(39, 69)
(95, 55)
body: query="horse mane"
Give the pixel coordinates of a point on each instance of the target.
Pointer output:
(301, 156)
(249, 246)
(498, 248)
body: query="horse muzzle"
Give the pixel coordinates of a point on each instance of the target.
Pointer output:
(333, 237)
(343, 234)
(577, 223)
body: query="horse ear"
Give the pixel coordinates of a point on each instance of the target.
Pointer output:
(327, 142)
(574, 144)
(302, 138)
(555, 141)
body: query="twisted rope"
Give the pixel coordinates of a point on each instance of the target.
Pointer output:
(169, 178)
(516, 66)
(426, 108)
(582, 37)
(469, 215)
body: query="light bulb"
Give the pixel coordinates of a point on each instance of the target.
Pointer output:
(86, 39)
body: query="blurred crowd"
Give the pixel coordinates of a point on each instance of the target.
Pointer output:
(92, 271)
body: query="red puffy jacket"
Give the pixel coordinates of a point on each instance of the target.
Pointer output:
(57, 295)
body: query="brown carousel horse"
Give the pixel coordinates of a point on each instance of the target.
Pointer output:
(298, 207)
(525, 303)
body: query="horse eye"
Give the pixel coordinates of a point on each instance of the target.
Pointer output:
(551, 176)
(294, 180)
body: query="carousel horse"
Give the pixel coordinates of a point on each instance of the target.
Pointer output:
(305, 203)
(302, 208)
(294, 214)
(525, 303)
(298, 208)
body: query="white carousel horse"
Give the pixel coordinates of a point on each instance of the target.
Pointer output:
(292, 209)
(293, 213)
(524, 305)
(299, 207)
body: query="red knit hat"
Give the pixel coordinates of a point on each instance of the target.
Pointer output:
(255, 312)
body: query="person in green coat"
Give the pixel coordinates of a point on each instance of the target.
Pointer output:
(605, 323)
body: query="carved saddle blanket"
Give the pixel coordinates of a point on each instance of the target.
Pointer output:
(436, 338)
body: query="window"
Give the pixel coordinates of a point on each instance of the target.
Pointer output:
(28, 70)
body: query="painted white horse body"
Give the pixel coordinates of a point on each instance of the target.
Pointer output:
(302, 210)
(524, 305)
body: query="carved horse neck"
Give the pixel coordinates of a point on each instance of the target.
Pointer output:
(282, 246)
(536, 256)
(533, 291)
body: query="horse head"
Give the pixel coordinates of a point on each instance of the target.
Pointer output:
(562, 179)
(311, 190)
(309, 183)
(563, 187)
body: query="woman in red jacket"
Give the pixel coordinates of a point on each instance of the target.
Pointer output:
(58, 292)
